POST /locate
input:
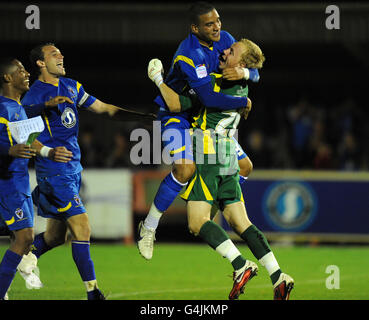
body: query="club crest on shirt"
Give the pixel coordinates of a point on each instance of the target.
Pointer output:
(72, 91)
(77, 199)
(19, 213)
(68, 118)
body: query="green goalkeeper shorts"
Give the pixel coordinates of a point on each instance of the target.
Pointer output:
(216, 179)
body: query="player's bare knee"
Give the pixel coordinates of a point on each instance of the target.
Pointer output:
(24, 238)
(83, 233)
(192, 227)
(195, 225)
(184, 172)
(79, 227)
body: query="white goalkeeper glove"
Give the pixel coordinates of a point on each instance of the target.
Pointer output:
(155, 71)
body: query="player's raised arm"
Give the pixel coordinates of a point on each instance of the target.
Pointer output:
(155, 72)
(118, 113)
(205, 92)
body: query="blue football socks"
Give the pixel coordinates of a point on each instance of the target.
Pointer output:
(168, 191)
(8, 268)
(39, 246)
(82, 259)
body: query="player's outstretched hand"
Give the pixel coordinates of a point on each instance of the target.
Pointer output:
(60, 154)
(57, 100)
(22, 151)
(232, 74)
(155, 71)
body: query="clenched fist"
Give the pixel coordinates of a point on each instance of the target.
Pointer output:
(155, 71)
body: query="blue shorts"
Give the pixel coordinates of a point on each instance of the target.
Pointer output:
(16, 210)
(58, 196)
(240, 153)
(176, 138)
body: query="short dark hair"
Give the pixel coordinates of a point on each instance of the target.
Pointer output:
(5, 64)
(197, 9)
(37, 54)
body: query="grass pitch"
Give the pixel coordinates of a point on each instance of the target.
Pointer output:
(196, 272)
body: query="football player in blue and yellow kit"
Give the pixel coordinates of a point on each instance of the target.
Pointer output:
(57, 193)
(16, 208)
(196, 57)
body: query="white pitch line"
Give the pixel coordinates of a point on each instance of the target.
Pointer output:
(138, 293)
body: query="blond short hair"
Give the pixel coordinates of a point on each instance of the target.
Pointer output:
(253, 57)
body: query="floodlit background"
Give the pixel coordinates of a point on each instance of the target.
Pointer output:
(307, 134)
(309, 109)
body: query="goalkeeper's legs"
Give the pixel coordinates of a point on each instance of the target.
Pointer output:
(80, 230)
(236, 216)
(200, 224)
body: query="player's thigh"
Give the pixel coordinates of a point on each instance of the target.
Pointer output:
(22, 242)
(246, 166)
(79, 227)
(56, 232)
(183, 170)
(198, 213)
(236, 215)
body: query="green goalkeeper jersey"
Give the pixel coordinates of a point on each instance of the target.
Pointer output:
(216, 178)
(224, 123)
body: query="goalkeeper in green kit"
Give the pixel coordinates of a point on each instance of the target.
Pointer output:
(216, 180)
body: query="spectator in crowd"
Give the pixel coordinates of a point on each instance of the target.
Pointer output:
(349, 156)
(89, 149)
(120, 155)
(301, 122)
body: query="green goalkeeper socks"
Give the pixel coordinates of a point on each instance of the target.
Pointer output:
(218, 239)
(260, 248)
(256, 241)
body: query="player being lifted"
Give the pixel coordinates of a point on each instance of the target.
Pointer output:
(195, 58)
(218, 182)
(57, 193)
(16, 207)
